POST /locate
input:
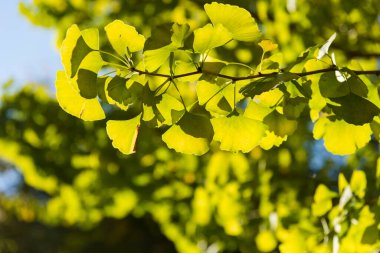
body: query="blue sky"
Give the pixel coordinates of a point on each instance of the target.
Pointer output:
(27, 52)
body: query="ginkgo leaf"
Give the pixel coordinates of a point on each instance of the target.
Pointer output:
(75, 47)
(322, 200)
(257, 111)
(238, 133)
(170, 108)
(325, 48)
(341, 138)
(191, 135)
(74, 104)
(271, 139)
(123, 134)
(124, 38)
(358, 183)
(267, 45)
(238, 21)
(266, 83)
(354, 109)
(117, 93)
(217, 99)
(209, 37)
(155, 58)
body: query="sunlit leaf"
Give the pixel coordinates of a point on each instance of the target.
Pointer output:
(76, 46)
(170, 108)
(124, 38)
(154, 59)
(271, 139)
(238, 21)
(325, 48)
(74, 104)
(238, 133)
(123, 134)
(191, 135)
(322, 200)
(209, 37)
(341, 138)
(358, 183)
(267, 45)
(116, 92)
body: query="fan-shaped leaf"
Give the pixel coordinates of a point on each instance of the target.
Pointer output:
(191, 135)
(209, 37)
(355, 109)
(116, 92)
(123, 134)
(170, 108)
(238, 21)
(75, 47)
(74, 104)
(341, 138)
(238, 133)
(124, 38)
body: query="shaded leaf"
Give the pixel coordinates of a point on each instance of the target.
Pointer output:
(123, 134)
(117, 93)
(266, 83)
(354, 109)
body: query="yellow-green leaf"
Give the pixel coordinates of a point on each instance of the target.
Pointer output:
(358, 183)
(124, 38)
(71, 101)
(341, 138)
(209, 37)
(238, 133)
(123, 134)
(238, 21)
(191, 135)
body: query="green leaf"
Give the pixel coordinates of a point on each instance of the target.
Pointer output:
(117, 93)
(76, 46)
(170, 108)
(87, 81)
(238, 21)
(358, 183)
(124, 38)
(293, 107)
(154, 59)
(354, 109)
(180, 32)
(266, 83)
(257, 111)
(209, 37)
(191, 135)
(217, 99)
(271, 139)
(341, 138)
(330, 87)
(322, 200)
(238, 133)
(73, 103)
(123, 134)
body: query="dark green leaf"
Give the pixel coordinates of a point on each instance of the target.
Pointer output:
(266, 83)
(87, 83)
(354, 109)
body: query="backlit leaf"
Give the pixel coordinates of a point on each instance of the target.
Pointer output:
(238, 133)
(341, 138)
(124, 38)
(123, 134)
(170, 108)
(325, 48)
(238, 21)
(191, 135)
(209, 37)
(71, 101)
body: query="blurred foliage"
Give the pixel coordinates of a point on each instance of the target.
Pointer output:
(92, 198)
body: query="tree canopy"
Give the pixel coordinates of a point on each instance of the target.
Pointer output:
(235, 127)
